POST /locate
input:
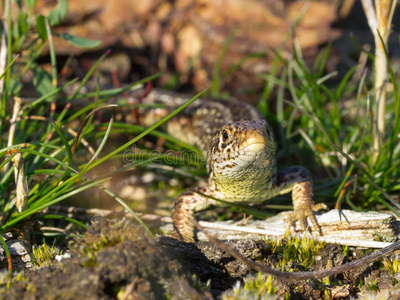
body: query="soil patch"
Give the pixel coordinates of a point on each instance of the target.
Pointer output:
(119, 260)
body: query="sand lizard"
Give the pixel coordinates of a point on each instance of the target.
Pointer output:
(241, 164)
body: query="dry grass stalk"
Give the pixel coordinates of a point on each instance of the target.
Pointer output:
(379, 20)
(11, 132)
(22, 196)
(3, 46)
(20, 182)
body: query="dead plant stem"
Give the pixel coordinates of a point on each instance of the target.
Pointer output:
(379, 20)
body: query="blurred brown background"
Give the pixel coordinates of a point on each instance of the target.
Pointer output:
(184, 38)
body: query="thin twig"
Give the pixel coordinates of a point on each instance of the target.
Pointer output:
(294, 277)
(47, 228)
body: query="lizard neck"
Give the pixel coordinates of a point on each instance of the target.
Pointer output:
(252, 184)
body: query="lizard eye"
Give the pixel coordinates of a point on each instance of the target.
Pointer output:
(225, 135)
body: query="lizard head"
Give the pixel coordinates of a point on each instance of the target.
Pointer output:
(242, 151)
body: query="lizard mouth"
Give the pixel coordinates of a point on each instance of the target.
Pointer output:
(255, 142)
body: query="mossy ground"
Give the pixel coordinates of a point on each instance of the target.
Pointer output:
(117, 260)
(112, 258)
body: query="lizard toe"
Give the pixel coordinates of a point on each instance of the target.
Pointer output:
(301, 215)
(319, 206)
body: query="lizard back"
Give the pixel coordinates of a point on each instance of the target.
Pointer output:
(197, 124)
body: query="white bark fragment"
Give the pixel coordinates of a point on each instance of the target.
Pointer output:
(364, 229)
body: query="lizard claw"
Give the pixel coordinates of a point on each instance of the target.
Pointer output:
(301, 214)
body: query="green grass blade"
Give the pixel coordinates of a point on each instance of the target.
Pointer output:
(58, 217)
(144, 133)
(103, 142)
(320, 61)
(48, 96)
(52, 54)
(88, 75)
(96, 100)
(392, 77)
(6, 161)
(53, 190)
(126, 206)
(361, 146)
(65, 142)
(369, 177)
(361, 48)
(9, 66)
(81, 85)
(8, 255)
(138, 129)
(48, 171)
(33, 210)
(48, 157)
(108, 93)
(344, 81)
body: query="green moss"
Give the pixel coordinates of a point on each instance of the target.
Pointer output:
(102, 242)
(302, 249)
(95, 242)
(258, 287)
(44, 255)
(327, 294)
(6, 281)
(392, 266)
(345, 250)
(108, 269)
(198, 284)
(373, 287)
(326, 282)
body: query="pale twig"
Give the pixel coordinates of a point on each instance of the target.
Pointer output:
(47, 228)
(11, 132)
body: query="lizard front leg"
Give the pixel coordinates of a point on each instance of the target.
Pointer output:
(185, 207)
(298, 180)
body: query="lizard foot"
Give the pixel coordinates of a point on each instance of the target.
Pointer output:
(183, 215)
(301, 213)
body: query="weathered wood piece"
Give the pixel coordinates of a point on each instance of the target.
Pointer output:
(20, 258)
(367, 229)
(364, 229)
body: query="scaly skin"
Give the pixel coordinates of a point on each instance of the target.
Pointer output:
(240, 160)
(242, 168)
